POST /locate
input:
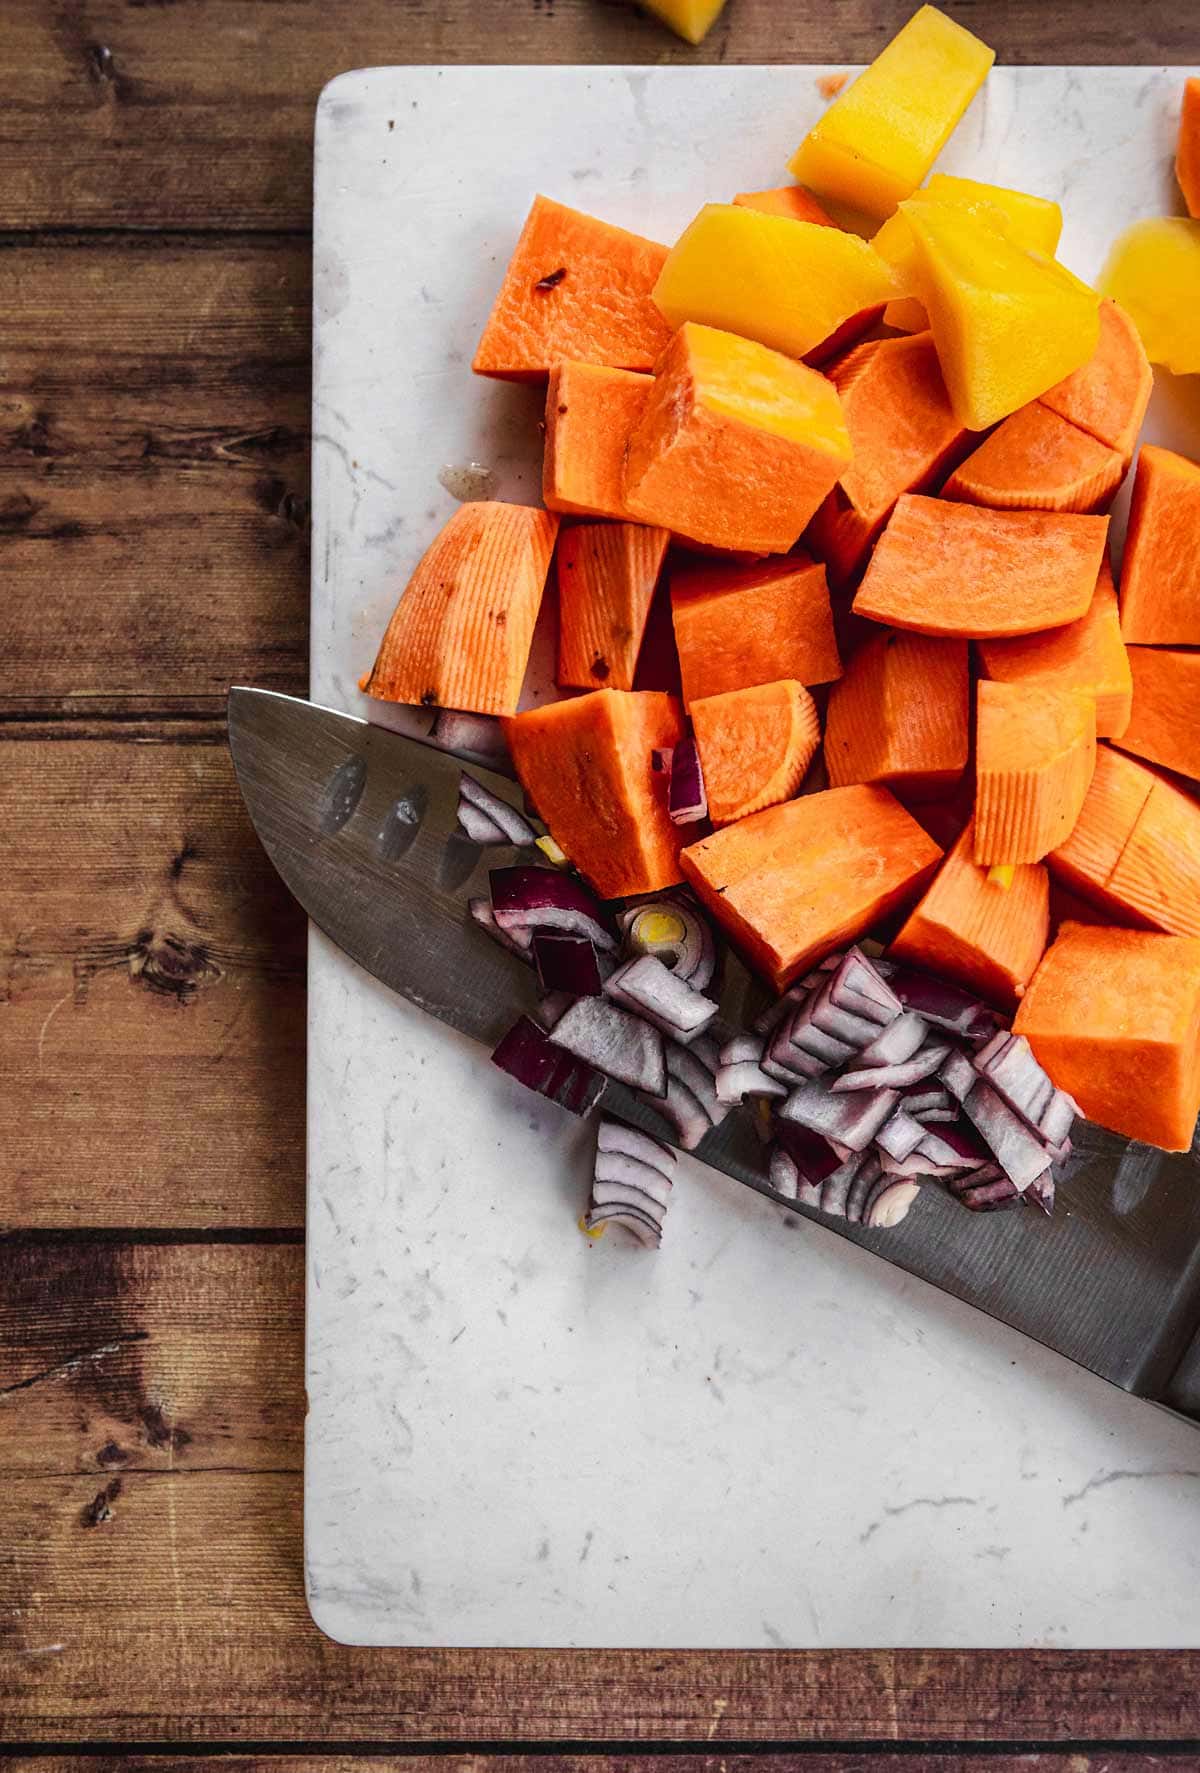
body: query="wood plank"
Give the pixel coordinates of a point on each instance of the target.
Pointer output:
(199, 114)
(153, 473)
(857, 1761)
(151, 992)
(120, 1358)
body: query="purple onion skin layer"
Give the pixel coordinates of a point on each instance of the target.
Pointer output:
(567, 963)
(527, 1054)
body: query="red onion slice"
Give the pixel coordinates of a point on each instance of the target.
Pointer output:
(895, 1044)
(651, 990)
(861, 1189)
(945, 1005)
(853, 1118)
(990, 1197)
(1021, 1154)
(854, 1031)
(894, 1077)
(527, 1054)
(680, 1109)
(686, 800)
(959, 1075)
(566, 964)
(614, 1136)
(641, 1225)
(782, 1173)
(1040, 1193)
(610, 1191)
(620, 1045)
(526, 897)
(478, 827)
(518, 942)
(742, 1079)
(889, 1205)
(690, 1071)
(672, 927)
(1058, 1117)
(513, 826)
(916, 1167)
(956, 1146)
(815, 1158)
(835, 1190)
(479, 737)
(899, 1135)
(1008, 1064)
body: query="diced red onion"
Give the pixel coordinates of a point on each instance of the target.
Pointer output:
(1008, 1064)
(917, 1167)
(956, 1146)
(610, 1191)
(631, 1219)
(903, 1036)
(888, 1206)
(1020, 1153)
(680, 1109)
(861, 1189)
(1040, 1193)
(651, 990)
(479, 737)
(800, 1035)
(900, 1134)
(959, 1075)
(782, 1173)
(736, 1082)
(945, 1005)
(853, 1119)
(672, 927)
(615, 1136)
(515, 826)
(476, 825)
(835, 1190)
(690, 1071)
(814, 1157)
(894, 1077)
(518, 942)
(686, 800)
(855, 1031)
(526, 897)
(991, 1197)
(620, 1045)
(566, 964)
(526, 1053)
(1058, 1117)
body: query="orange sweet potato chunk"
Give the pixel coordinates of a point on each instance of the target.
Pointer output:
(1111, 808)
(792, 201)
(904, 435)
(1085, 655)
(1160, 574)
(607, 573)
(755, 746)
(575, 287)
(900, 715)
(941, 568)
(736, 626)
(1187, 156)
(460, 635)
(1164, 726)
(983, 935)
(737, 445)
(1108, 395)
(1035, 756)
(1114, 1016)
(586, 765)
(590, 412)
(1038, 461)
(795, 881)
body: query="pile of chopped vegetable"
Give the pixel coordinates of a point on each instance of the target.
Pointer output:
(857, 437)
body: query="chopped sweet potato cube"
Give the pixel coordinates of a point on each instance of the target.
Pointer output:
(1108, 395)
(1164, 725)
(1085, 655)
(737, 445)
(607, 573)
(795, 881)
(900, 715)
(755, 746)
(1035, 756)
(792, 201)
(578, 288)
(1114, 1016)
(941, 568)
(461, 633)
(590, 412)
(1111, 808)
(1160, 573)
(737, 626)
(904, 436)
(969, 928)
(1037, 461)
(586, 765)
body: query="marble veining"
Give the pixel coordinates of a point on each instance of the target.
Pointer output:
(761, 1436)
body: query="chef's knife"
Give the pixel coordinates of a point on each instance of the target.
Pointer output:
(362, 825)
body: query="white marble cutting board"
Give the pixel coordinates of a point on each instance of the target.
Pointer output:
(761, 1435)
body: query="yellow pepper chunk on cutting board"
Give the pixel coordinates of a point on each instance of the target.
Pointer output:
(877, 141)
(787, 284)
(1030, 221)
(1008, 323)
(1154, 273)
(690, 19)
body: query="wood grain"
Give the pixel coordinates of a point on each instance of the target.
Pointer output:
(151, 992)
(153, 474)
(199, 114)
(857, 1761)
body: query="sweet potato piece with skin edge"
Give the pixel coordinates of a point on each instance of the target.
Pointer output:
(792, 201)
(1037, 461)
(737, 445)
(577, 288)
(985, 937)
(900, 715)
(1187, 155)
(1035, 756)
(1164, 726)
(755, 746)
(795, 881)
(1108, 395)
(1111, 808)
(904, 435)
(590, 411)
(941, 568)
(1160, 572)
(460, 635)
(1086, 655)
(737, 626)
(1114, 1017)
(607, 573)
(586, 765)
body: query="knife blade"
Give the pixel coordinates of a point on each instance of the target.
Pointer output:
(361, 824)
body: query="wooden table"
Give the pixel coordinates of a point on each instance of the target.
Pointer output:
(154, 363)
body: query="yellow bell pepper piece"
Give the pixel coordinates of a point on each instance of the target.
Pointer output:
(1008, 322)
(1154, 273)
(875, 143)
(690, 19)
(1030, 221)
(786, 284)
